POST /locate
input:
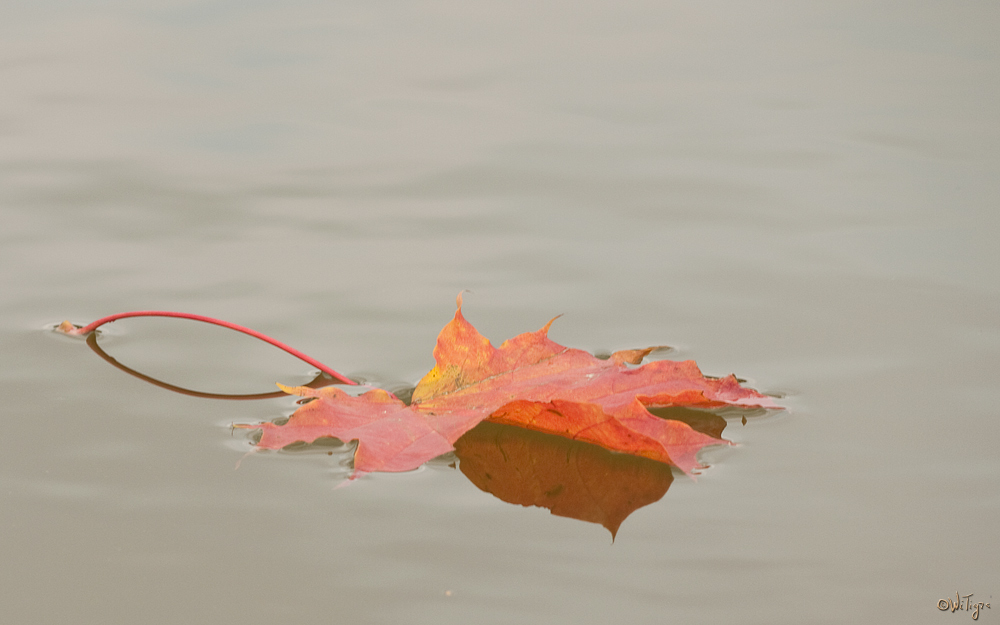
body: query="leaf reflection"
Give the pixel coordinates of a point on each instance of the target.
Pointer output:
(570, 478)
(704, 421)
(319, 381)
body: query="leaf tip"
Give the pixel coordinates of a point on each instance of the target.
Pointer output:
(305, 391)
(458, 300)
(353, 477)
(545, 330)
(632, 356)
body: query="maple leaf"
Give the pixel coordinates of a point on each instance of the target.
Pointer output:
(529, 381)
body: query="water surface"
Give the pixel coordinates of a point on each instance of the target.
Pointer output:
(803, 196)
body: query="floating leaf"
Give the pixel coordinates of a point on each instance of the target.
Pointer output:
(530, 382)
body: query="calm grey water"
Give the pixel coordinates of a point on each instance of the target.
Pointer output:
(803, 195)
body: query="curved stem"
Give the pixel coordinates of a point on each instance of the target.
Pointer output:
(87, 329)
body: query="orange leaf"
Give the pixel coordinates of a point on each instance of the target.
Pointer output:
(529, 381)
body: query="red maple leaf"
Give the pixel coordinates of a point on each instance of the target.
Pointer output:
(529, 381)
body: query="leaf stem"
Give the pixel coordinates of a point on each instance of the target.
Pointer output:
(87, 329)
